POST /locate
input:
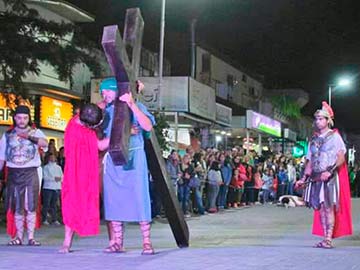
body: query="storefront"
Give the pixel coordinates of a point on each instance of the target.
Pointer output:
(289, 141)
(265, 126)
(221, 131)
(255, 132)
(189, 106)
(53, 115)
(7, 104)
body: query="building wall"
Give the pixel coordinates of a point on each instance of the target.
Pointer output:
(230, 83)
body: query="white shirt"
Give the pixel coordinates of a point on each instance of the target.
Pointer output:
(50, 171)
(19, 152)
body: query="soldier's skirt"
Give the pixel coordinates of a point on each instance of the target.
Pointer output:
(22, 192)
(318, 192)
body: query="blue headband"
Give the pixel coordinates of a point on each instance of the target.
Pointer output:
(108, 84)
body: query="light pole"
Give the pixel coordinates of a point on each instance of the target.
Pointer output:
(161, 52)
(343, 82)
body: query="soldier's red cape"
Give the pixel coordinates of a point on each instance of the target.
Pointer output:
(343, 219)
(80, 187)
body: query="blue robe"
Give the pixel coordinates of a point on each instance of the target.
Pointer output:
(126, 188)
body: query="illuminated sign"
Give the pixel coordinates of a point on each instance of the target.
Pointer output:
(54, 113)
(263, 123)
(5, 112)
(6, 108)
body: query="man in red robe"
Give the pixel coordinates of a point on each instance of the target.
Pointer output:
(327, 190)
(80, 188)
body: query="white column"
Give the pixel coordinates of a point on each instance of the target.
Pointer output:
(248, 141)
(260, 145)
(176, 130)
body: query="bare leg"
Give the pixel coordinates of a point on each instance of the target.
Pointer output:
(110, 233)
(330, 222)
(327, 218)
(30, 223)
(323, 218)
(69, 233)
(19, 224)
(145, 230)
(117, 233)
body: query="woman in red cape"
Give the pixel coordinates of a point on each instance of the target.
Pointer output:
(80, 188)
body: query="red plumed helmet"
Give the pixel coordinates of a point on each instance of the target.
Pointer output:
(326, 106)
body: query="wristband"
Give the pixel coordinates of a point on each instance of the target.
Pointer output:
(332, 169)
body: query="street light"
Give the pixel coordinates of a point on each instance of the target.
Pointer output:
(161, 50)
(342, 82)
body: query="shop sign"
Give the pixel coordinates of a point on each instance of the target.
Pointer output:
(55, 114)
(5, 112)
(289, 134)
(202, 100)
(5, 109)
(263, 123)
(223, 115)
(173, 94)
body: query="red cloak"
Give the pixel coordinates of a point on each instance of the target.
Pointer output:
(80, 188)
(343, 220)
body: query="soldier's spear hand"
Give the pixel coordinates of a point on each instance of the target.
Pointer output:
(325, 176)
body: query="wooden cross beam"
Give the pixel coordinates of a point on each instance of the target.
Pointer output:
(165, 187)
(126, 73)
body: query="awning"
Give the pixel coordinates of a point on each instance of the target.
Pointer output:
(65, 9)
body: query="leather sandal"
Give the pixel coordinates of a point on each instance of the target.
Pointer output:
(15, 242)
(33, 242)
(324, 244)
(114, 248)
(147, 249)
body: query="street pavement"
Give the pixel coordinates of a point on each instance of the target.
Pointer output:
(258, 237)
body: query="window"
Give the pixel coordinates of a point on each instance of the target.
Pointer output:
(206, 62)
(252, 91)
(230, 80)
(244, 78)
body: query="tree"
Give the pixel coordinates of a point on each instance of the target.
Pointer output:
(287, 106)
(161, 130)
(26, 39)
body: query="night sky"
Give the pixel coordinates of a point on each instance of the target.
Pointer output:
(292, 43)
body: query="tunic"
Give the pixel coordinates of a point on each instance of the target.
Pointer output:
(126, 188)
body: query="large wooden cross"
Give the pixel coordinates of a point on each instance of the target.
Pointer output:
(126, 72)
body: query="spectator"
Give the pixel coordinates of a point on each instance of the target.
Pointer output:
(53, 175)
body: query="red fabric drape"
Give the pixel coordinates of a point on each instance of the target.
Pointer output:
(80, 188)
(343, 219)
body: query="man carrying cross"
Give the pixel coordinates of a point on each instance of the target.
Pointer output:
(126, 187)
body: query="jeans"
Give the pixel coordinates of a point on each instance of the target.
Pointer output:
(213, 191)
(222, 197)
(198, 199)
(184, 196)
(291, 188)
(50, 199)
(266, 195)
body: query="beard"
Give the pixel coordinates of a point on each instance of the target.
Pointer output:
(22, 125)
